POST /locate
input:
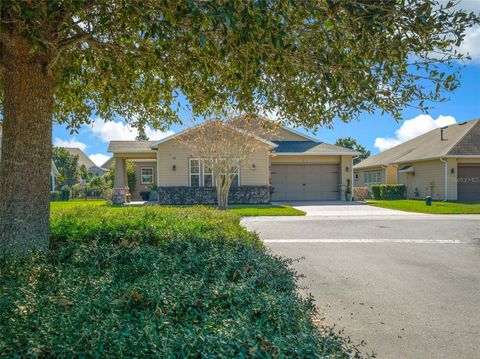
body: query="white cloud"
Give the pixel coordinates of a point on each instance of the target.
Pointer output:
(99, 158)
(413, 128)
(69, 143)
(118, 131)
(470, 45)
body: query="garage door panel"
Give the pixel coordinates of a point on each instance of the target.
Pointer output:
(468, 183)
(298, 182)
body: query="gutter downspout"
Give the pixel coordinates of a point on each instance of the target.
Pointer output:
(446, 178)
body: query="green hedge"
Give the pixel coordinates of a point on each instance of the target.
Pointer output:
(163, 282)
(389, 191)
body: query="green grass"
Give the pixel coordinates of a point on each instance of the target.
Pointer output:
(156, 282)
(243, 210)
(247, 210)
(56, 205)
(436, 208)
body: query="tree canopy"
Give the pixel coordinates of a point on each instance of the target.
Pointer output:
(308, 61)
(349, 142)
(67, 166)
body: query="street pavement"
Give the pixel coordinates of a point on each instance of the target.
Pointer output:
(407, 284)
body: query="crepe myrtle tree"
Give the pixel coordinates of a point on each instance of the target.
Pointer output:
(309, 61)
(221, 146)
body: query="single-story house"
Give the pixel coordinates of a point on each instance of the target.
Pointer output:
(443, 163)
(289, 166)
(84, 160)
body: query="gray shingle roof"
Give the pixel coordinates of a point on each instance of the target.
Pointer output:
(459, 139)
(130, 146)
(310, 147)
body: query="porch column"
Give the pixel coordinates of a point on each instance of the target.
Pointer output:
(119, 182)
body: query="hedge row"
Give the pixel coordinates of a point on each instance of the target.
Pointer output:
(163, 282)
(389, 191)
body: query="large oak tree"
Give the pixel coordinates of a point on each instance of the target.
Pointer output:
(308, 61)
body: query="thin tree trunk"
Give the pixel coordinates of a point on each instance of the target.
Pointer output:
(26, 148)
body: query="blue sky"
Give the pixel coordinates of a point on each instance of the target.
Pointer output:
(376, 132)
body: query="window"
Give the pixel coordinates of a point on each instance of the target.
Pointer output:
(146, 175)
(202, 176)
(194, 173)
(207, 176)
(373, 177)
(356, 176)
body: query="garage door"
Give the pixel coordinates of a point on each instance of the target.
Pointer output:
(469, 183)
(305, 182)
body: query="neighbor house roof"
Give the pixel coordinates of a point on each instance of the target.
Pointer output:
(311, 148)
(130, 146)
(109, 163)
(461, 139)
(83, 159)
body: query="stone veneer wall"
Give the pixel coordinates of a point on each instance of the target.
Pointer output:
(208, 195)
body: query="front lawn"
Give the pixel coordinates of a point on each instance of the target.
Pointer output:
(437, 207)
(244, 210)
(156, 282)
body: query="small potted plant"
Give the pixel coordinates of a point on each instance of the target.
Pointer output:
(153, 193)
(348, 191)
(128, 198)
(145, 195)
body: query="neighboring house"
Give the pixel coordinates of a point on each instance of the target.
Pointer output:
(109, 163)
(291, 166)
(443, 163)
(53, 171)
(83, 159)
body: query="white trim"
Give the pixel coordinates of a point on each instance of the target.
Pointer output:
(365, 177)
(446, 178)
(201, 180)
(141, 175)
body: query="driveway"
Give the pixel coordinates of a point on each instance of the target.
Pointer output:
(408, 284)
(337, 208)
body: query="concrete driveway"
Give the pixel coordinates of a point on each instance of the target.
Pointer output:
(338, 208)
(408, 284)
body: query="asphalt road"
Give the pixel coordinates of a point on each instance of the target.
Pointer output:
(409, 285)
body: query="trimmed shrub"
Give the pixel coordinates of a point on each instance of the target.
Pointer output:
(389, 191)
(361, 193)
(376, 191)
(160, 282)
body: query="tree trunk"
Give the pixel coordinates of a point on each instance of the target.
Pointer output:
(26, 148)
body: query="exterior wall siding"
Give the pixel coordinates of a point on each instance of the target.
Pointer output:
(429, 180)
(360, 182)
(139, 187)
(254, 171)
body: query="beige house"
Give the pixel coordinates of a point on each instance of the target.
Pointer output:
(443, 163)
(84, 160)
(290, 166)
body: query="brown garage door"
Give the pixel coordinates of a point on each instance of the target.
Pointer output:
(305, 182)
(468, 183)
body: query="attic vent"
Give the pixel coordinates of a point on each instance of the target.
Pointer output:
(441, 133)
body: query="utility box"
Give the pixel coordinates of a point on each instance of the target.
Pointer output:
(428, 201)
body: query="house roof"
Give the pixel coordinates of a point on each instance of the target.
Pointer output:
(169, 138)
(109, 163)
(83, 159)
(461, 139)
(130, 146)
(311, 148)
